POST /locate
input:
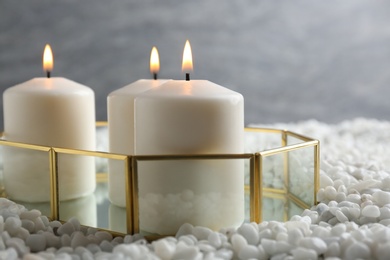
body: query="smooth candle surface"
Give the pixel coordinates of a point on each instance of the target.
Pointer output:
(53, 112)
(190, 117)
(121, 132)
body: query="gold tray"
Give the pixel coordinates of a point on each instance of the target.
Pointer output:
(282, 178)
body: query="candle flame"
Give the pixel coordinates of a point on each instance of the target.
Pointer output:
(187, 58)
(48, 63)
(154, 61)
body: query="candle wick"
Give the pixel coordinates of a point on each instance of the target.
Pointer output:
(48, 74)
(187, 76)
(155, 76)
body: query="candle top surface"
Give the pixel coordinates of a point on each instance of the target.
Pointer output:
(190, 89)
(50, 86)
(138, 86)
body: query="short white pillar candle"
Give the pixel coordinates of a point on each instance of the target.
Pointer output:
(54, 112)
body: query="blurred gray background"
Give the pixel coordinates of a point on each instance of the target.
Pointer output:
(292, 60)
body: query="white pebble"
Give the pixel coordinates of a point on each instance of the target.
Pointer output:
(66, 228)
(371, 211)
(201, 233)
(28, 224)
(78, 239)
(184, 229)
(341, 217)
(190, 240)
(18, 244)
(325, 180)
(333, 250)
(185, 252)
(224, 254)
(330, 192)
(38, 224)
(357, 250)
(266, 233)
(164, 249)
(12, 225)
(294, 235)
(381, 197)
(75, 222)
(355, 198)
(36, 257)
(314, 243)
(31, 215)
(249, 232)
(215, 239)
(322, 232)
(129, 250)
(9, 253)
(301, 253)
(383, 251)
(238, 242)
(36, 242)
(103, 235)
(65, 240)
(249, 252)
(106, 246)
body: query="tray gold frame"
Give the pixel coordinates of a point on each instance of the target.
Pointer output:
(256, 161)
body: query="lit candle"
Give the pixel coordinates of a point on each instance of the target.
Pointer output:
(190, 117)
(121, 126)
(54, 112)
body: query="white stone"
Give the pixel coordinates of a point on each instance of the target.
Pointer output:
(355, 198)
(35, 257)
(103, 235)
(249, 232)
(65, 240)
(357, 250)
(301, 253)
(294, 236)
(205, 247)
(18, 244)
(371, 211)
(105, 246)
(322, 232)
(341, 217)
(184, 229)
(129, 250)
(238, 242)
(314, 243)
(224, 253)
(201, 233)
(36, 242)
(185, 252)
(38, 224)
(266, 233)
(381, 198)
(215, 239)
(12, 225)
(383, 251)
(9, 253)
(249, 252)
(31, 214)
(190, 240)
(330, 192)
(164, 249)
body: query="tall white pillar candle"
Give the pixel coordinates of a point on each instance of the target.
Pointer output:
(53, 112)
(120, 112)
(190, 117)
(120, 109)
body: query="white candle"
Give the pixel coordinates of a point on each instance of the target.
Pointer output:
(190, 117)
(53, 112)
(121, 127)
